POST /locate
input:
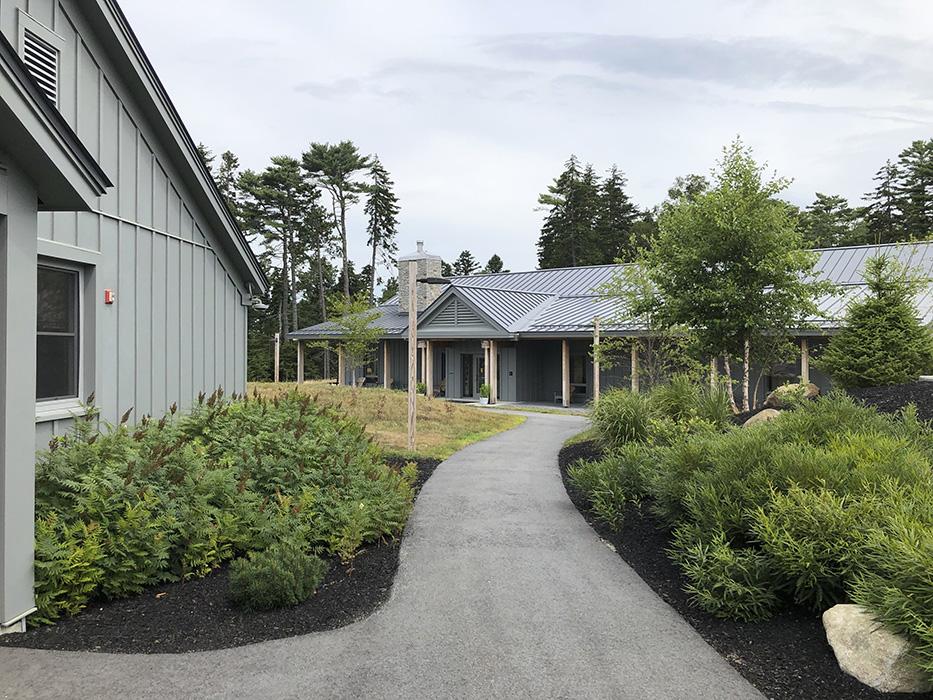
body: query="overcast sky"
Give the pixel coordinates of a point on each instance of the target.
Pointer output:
(474, 106)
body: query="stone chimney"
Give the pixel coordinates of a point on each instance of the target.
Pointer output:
(428, 266)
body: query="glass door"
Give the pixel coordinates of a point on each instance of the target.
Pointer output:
(466, 375)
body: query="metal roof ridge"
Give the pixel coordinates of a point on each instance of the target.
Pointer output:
(525, 322)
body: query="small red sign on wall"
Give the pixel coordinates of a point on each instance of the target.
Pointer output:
(109, 296)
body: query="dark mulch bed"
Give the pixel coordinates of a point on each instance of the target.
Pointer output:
(891, 399)
(196, 616)
(887, 399)
(784, 657)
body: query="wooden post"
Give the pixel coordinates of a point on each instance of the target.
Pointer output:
(636, 383)
(301, 362)
(804, 361)
(493, 372)
(429, 368)
(596, 377)
(412, 351)
(278, 342)
(341, 367)
(565, 372)
(386, 380)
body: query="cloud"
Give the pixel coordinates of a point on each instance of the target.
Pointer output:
(745, 63)
(410, 78)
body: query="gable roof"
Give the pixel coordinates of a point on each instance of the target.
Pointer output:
(565, 302)
(116, 34)
(36, 135)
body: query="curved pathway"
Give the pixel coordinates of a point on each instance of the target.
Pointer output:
(503, 591)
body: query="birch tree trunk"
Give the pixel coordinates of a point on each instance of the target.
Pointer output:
(727, 366)
(746, 360)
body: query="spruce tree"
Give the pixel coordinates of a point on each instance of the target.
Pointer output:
(882, 341)
(885, 218)
(494, 266)
(615, 218)
(915, 189)
(466, 264)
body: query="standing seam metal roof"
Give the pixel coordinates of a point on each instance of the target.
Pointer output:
(567, 300)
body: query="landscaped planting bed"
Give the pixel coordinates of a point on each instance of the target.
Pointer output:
(196, 615)
(752, 533)
(890, 399)
(214, 528)
(784, 657)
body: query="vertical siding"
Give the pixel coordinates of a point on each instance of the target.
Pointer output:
(178, 326)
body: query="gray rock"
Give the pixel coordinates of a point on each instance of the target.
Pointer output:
(776, 399)
(872, 653)
(761, 417)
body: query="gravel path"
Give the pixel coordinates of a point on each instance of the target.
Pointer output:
(503, 591)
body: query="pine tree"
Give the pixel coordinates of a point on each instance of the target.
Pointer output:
(830, 222)
(382, 209)
(882, 341)
(466, 264)
(335, 168)
(280, 212)
(206, 156)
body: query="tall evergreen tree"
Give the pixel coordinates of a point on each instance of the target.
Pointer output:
(466, 264)
(885, 218)
(336, 168)
(206, 156)
(494, 266)
(615, 217)
(830, 222)
(280, 212)
(227, 175)
(382, 209)
(572, 204)
(915, 189)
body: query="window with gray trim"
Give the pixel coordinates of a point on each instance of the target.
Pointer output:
(57, 327)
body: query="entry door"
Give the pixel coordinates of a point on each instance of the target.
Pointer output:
(480, 371)
(466, 375)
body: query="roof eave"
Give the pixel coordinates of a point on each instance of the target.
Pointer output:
(37, 136)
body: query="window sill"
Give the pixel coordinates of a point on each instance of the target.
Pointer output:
(47, 411)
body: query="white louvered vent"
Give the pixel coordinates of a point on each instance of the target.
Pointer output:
(41, 58)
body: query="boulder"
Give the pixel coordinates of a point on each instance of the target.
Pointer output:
(776, 399)
(872, 653)
(761, 417)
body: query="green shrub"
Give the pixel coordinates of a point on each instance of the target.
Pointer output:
(600, 482)
(281, 576)
(677, 399)
(897, 583)
(723, 580)
(620, 417)
(813, 538)
(67, 564)
(175, 498)
(882, 340)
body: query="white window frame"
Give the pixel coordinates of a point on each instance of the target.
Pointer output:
(71, 407)
(56, 41)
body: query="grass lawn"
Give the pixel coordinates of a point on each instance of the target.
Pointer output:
(443, 427)
(586, 436)
(522, 408)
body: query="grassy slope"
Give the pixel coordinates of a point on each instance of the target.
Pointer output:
(443, 427)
